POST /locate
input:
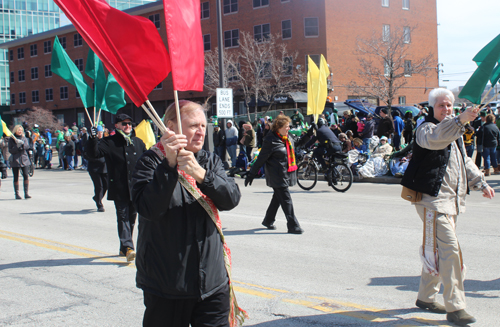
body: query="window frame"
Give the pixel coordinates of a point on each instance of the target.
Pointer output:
(48, 69)
(260, 5)
(209, 42)
(33, 50)
(47, 47)
(205, 10)
(262, 37)
(11, 55)
(33, 99)
(407, 34)
(159, 86)
(306, 27)
(232, 38)
(22, 97)
(407, 68)
(155, 18)
(230, 5)
(79, 64)
(386, 32)
(385, 3)
(12, 77)
(402, 97)
(62, 41)
(406, 4)
(49, 94)
(289, 66)
(34, 71)
(13, 99)
(20, 53)
(77, 40)
(63, 90)
(282, 29)
(20, 73)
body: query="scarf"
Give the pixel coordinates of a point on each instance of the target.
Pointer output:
(290, 154)
(127, 137)
(236, 314)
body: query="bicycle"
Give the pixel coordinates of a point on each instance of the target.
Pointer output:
(338, 175)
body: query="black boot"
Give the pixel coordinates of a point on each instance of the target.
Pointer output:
(26, 185)
(16, 190)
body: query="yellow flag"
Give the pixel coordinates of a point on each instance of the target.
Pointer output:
(145, 133)
(6, 131)
(312, 86)
(322, 87)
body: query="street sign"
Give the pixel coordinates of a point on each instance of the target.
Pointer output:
(224, 103)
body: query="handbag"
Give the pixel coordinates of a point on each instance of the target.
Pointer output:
(411, 195)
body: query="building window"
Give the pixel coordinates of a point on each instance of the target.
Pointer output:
(264, 69)
(402, 100)
(406, 34)
(34, 73)
(35, 96)
(260, 3)
(33, 50)
(21, 76)
(155, 19)
(62, 41)
(48, 71)
(159, 86)
(20, 53)
(49, 95)
(288, 66)
(232, 72)
(77, 94)
(311, 27)
(22, 98)
(79, 64)
(385, 3)
(11, 55)
(47, 46)
(205, 10)
(387, 69)
(231, 38)
(64, 92)
(77, 40)
(230, 6)
(13, 99)
(206, 42)
(315, 58)
(408, 68)
(285, 1)
(406, 4)
(386, 33)
(286, 29)
(12, 74)
(261, 32)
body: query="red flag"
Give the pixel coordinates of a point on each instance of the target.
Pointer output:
(129, 46)
(185, 44)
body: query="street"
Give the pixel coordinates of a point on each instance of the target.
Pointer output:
(357, 264)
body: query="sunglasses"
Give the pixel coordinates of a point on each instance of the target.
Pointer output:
(125, 123)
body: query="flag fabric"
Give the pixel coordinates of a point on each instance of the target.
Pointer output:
(114, 96)
(145, 133)
(62, 65)
(5, 130)
(487, 59)
(129, 46)
(185, 44)
(312, 85)
(322, 87)
(95, 70)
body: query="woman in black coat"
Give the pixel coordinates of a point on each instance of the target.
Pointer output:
(490, 137)
(18, 147)
(278, 155)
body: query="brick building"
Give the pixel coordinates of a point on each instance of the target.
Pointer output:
(311, 27)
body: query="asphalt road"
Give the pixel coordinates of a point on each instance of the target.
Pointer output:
(357, 263)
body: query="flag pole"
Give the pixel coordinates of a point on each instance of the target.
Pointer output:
(158, 123)
(98, 116)
(178, 112)
(153, 111)
(94, 117)
(489, 100)
(486, 95)
(89, 117)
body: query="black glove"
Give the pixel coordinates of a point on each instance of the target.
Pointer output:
(313, 124)
(93, 132)
(249, 179)
(4, 174)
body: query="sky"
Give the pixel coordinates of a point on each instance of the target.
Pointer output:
(464, 28)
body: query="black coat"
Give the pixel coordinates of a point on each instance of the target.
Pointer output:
(219, 138)
(179, 251)
(120, 161)
(325, 136)
(69, 148)
(273, 155)
(488, 136)
(385, 127)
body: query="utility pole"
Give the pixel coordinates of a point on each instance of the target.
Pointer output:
(220, 44)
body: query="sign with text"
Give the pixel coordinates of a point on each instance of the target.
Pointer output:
(224, 103)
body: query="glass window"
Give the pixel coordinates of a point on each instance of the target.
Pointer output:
(286, 29)
(232, 72)
(48, 71)
(20, 53)
(155, 19)
(260, 3)
(13, 98)
(64, 92)
(311, 27)
(387, 68)
(408, 69)
(47, 46)
(406, 4)
(402, 100)
(159, 86)
(205, 10)
(34, 73)
(79, 64)
(385, 3)
(386, 33)
(62, 40)
(288, 66)
(264, 69)
(33, 50)
(11, 55)
(206, 42)
(49, 95)
(77, 94)
(12, 77)
(21, 76)
(231, 38)
(261, 32)
(22, 98)
(35, 96)
(77, 40)
(230, 6)
(406, 34)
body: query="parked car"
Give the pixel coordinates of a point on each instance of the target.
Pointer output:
(402, 110)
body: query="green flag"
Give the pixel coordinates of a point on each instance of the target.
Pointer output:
(95, 70)
(63, 66)
(114, 97)
(487, 59)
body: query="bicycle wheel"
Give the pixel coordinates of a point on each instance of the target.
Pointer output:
(307, 175)
(341, 176)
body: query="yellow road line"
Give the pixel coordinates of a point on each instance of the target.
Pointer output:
(262, 287)
(253, 292)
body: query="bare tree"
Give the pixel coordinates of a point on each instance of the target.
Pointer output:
(43, 117)
(385, 61)
(212, 71)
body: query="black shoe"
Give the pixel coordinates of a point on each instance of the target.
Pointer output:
(296, 230)
(460, 318)
(100, 209)
(269, 226)
(432, 307)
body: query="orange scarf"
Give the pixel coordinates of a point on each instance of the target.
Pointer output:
(290, 154)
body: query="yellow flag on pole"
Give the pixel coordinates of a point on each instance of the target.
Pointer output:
(145, 133)
(322, 88)
(6, 131)
(312, 86)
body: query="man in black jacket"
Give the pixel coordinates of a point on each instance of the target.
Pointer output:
(385, 126)
(121, 152)
(328, 143)
(219, 141)
(178, 190)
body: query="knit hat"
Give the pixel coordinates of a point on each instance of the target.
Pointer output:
(99, 128)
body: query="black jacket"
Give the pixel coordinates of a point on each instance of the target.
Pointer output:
(368, 130)
(488, 136)
(325, 136)
(385, 127)
(273, 154)
(120, 161)
(69, 148)
(179, 251)
(219, 138)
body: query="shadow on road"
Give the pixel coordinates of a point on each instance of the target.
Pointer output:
(253, 232)
(80, 212)
(93, 261)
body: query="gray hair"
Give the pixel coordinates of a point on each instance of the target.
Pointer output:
(440, 92)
